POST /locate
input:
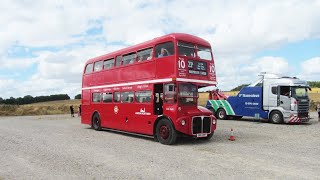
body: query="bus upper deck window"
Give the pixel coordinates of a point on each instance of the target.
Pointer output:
(89, 68)
(204, 53)
(164, 49)
(186, 49)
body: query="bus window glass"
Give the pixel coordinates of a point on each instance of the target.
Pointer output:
(107, 64)
(143, 96)
(145, 54)
(164, 49)
(89, 68)
(188, 94)
(127, 97)
(204, 53)
(98, 66)
(170, 95)
(129, 58)
(96, 97)
(118, 61)
(116, 96)
(186, 49)
(107, 97)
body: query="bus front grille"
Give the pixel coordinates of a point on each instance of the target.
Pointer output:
(201, 124)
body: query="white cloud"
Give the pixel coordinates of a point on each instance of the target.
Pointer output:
(236, 30)
(310, 69)
(245, 70)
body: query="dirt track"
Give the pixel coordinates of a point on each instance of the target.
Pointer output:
(50, 147)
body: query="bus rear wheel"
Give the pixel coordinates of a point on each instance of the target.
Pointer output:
(165, 132)
(96, 122)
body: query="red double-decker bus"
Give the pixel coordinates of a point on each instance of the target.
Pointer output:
(151, 89)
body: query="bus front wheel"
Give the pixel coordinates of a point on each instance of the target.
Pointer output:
(209, 136)
(96, 122)
(165, 132)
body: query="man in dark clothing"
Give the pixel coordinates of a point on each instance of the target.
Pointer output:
(79, 110)
(72, 111)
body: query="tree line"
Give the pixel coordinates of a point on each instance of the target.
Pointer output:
(29, 99)
(314, 84)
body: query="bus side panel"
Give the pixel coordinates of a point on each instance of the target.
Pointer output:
(143, 119)
(166, 67)
(145, 70)
(107, 115)
(85, 107)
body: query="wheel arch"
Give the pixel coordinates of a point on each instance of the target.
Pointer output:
(94, 113)
(275, 111)
(216, 113)
(158, 120)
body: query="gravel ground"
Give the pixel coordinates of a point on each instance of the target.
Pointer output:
(59, 147)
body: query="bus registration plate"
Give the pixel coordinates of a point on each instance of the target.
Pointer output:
(202, 135)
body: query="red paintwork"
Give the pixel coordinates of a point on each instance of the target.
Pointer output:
(125, 116)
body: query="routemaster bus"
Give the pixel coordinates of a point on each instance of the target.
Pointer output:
(151, 89)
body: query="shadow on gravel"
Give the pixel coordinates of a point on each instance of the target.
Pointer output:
(182, 140)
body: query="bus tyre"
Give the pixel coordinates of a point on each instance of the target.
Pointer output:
(96, 122)
(209, 136)
(276, 117)
(165, 132)
(221, 114)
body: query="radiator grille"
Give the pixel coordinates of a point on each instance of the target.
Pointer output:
(303, 105)
(201, 124)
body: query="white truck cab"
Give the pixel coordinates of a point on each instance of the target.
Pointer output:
(285, 98)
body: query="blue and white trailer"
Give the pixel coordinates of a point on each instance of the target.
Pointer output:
(276, 98)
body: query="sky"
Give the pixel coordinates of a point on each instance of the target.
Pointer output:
(44, 44)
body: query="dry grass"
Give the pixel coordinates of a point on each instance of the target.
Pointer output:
(62, 107)
(44, 108)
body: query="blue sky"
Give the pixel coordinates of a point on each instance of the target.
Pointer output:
(44, 45)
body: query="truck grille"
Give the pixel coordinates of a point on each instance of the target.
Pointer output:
(303, 105)
(201, 124)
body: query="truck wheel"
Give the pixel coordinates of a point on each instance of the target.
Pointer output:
(96, 122)
(165, 132)
(276, 117)
(221, 114)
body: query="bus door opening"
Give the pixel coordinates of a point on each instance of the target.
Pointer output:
(157, 100)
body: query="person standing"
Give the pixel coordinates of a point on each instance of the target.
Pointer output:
(79, 110)
(318, 109)
(72, 111)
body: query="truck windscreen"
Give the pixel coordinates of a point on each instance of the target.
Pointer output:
(299, 92)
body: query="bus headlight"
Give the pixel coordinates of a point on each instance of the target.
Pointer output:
(183, 122)
(214, 119)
